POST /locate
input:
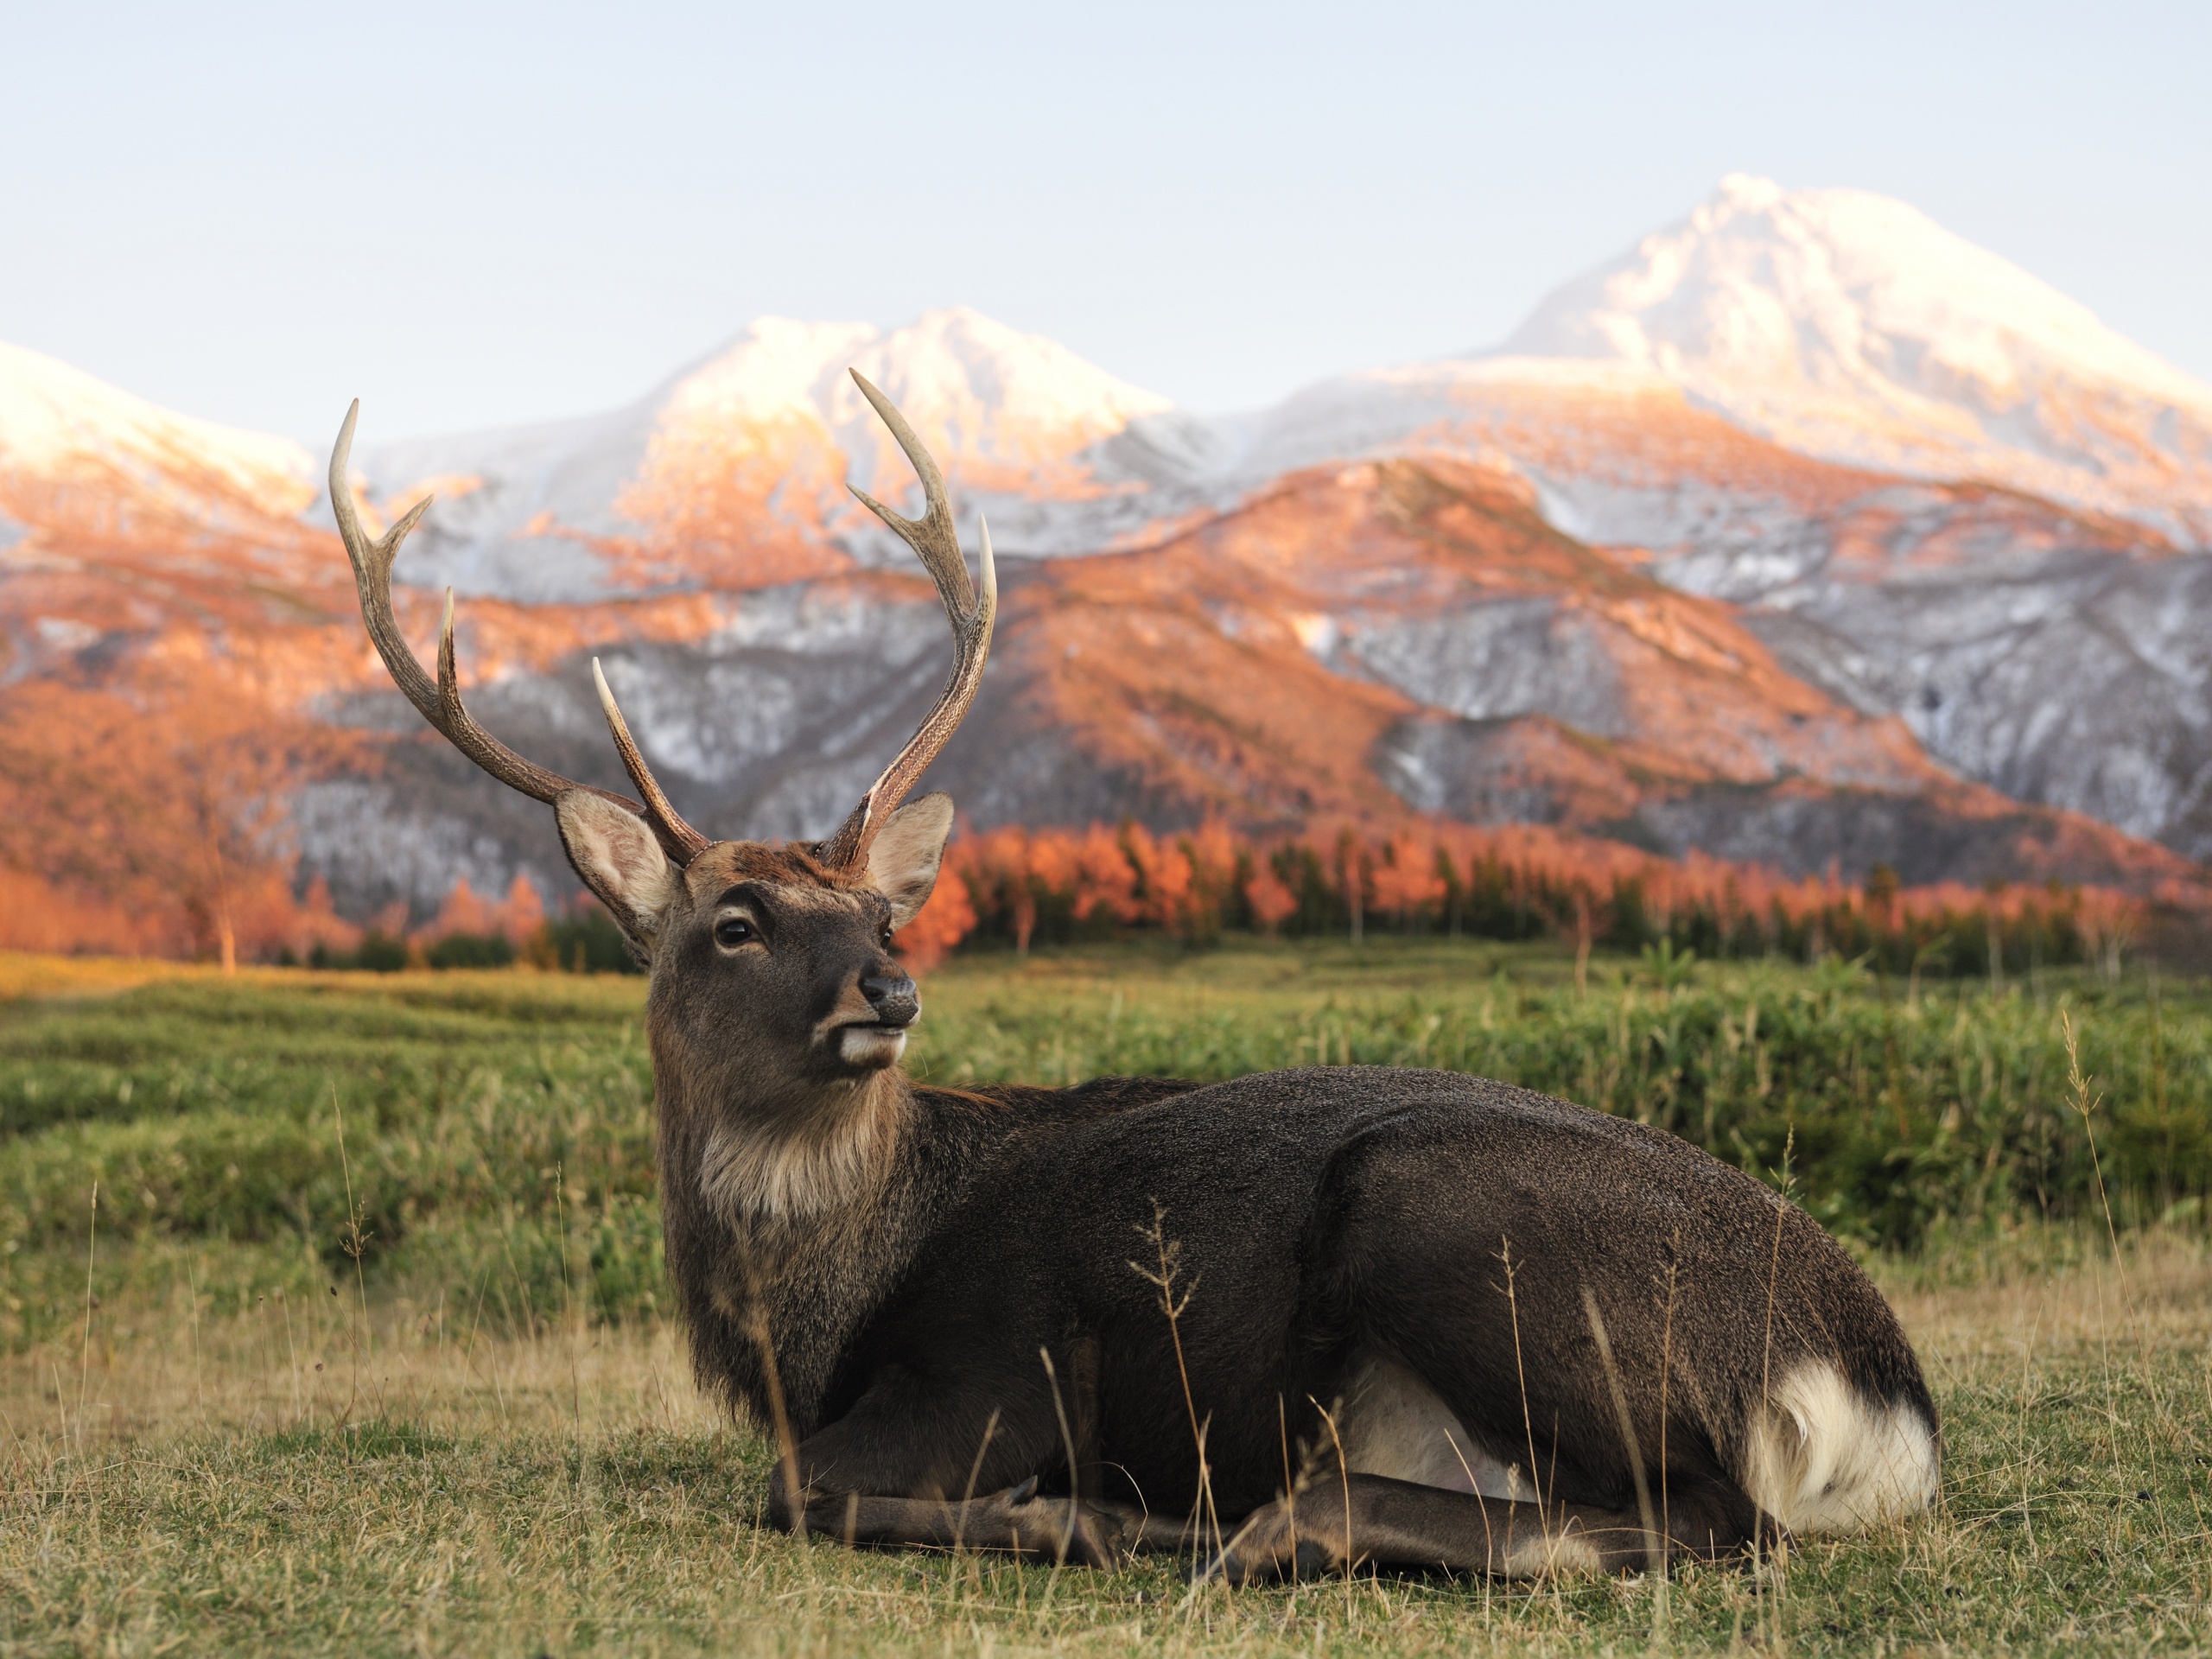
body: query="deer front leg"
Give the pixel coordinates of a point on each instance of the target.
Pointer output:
(1372, 1518)
(1016, 1521)
(914, 1465)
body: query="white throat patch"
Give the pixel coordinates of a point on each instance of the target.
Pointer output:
(870, 1045)
(765, 1171)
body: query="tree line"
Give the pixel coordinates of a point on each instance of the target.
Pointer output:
(1018, 887)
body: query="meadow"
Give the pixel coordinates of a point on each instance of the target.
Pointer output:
(363, 1345)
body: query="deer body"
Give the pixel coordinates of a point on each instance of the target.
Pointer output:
(1298, 1320)
(1344, 1237)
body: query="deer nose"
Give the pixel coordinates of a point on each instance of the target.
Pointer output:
(893, 997)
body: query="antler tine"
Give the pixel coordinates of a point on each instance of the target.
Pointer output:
(683, 842)
(373, 562)
(439, 702)
(971, 612)
(931, 535)
(460, 729)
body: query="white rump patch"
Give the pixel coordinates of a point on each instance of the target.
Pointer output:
(1826, 1458)
(1393, 1424)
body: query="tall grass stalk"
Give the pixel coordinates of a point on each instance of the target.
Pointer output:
(354, 1242)
(1167, 1255)
(85, 1360)
(1654, 1543)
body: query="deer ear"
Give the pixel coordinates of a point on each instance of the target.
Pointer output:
(616, 854)
(902, 862)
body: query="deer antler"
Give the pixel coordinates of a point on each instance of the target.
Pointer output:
(439, 703)
(932, 537)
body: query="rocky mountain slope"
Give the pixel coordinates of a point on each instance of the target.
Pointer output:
(2055, 654)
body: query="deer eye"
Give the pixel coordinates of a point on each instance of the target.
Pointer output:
(733, 931)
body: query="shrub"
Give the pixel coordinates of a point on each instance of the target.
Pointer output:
(472, 950)
(585, 942)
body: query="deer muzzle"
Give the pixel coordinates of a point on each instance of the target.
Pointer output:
(893, 999)
(880, 1039)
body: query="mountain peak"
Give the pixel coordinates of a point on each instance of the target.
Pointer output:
(777, 366)
(1748, 191)
(966, 382)
(989, 391)
(1849, 324)
(721, 473)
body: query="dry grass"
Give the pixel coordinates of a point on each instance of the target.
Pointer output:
(27, 974)
(290, 1476)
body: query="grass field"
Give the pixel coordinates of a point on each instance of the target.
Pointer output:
(365, 1351)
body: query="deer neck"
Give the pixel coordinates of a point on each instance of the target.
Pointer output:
(774, 1171)
(788, 1225)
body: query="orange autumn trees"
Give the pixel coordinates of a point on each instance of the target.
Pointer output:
(147, 820)
(1019, 886)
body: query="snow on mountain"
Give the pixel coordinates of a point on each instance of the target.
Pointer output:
(2051, 654)
(733, 472)
(1836, 323)
(987, 395)
(61, 431)
(1846, 324)
(119, 518)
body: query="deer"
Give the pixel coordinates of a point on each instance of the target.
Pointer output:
(1289, 1324)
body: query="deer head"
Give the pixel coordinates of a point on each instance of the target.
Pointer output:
(772, 972)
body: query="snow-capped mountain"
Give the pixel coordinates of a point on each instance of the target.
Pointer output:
(1835, 323)
(708, 479)
(1849, 325)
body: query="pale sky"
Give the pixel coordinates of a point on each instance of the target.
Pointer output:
(476, 214)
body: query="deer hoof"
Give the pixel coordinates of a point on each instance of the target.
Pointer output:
(1311, 1558)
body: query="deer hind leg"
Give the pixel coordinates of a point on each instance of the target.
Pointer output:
(1356, 1519)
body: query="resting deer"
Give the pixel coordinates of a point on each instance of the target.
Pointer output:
(1400, 1316)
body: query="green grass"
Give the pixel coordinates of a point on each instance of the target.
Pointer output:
(483, 1438)
(486, 1119)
